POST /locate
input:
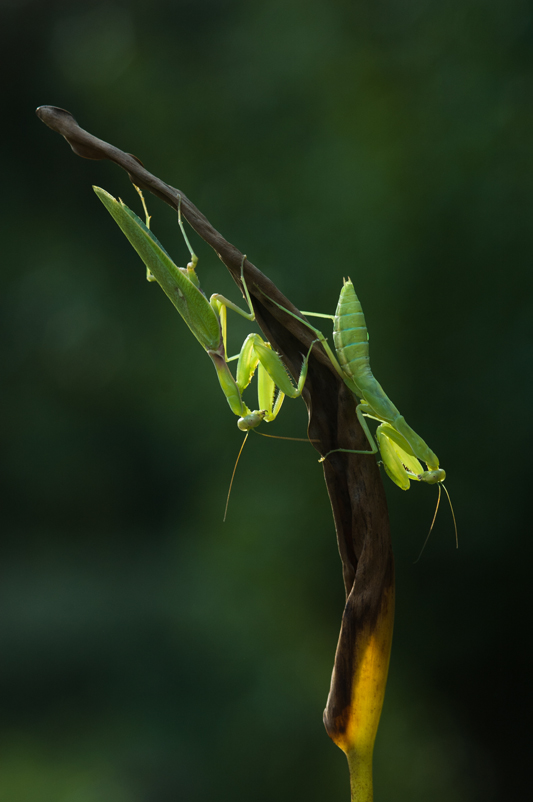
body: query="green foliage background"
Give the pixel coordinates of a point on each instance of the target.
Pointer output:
(149, 652)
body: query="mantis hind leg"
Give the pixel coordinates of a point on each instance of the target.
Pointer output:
(364, 425)
(149, 275)
(194, 259)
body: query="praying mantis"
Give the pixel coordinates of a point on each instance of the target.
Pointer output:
(402, 450)
(400, 446)
(207, 320)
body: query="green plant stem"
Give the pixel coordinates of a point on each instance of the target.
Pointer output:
(360, 766)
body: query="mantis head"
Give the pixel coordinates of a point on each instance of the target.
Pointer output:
(250, 421)
(432, 477)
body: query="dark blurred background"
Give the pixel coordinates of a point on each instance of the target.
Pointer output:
(151, 653)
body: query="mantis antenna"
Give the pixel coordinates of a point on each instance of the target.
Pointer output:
(435, 518)
(453, 516)
(272, 437)
(233, 476)
(279, 437)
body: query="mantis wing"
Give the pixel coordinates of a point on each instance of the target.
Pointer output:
(190, 301)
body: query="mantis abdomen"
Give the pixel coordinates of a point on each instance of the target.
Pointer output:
(350, 336)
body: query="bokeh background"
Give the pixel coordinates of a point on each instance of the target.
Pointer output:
(151, 653)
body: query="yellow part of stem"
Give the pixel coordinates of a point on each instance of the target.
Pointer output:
(360, 721)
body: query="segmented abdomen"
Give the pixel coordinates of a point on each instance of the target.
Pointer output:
(350, 335)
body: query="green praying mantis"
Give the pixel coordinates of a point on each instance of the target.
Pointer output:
(400, 446)
(402, 450)
(207, 321)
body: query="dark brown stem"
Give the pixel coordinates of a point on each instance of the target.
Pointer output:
(353, 481)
